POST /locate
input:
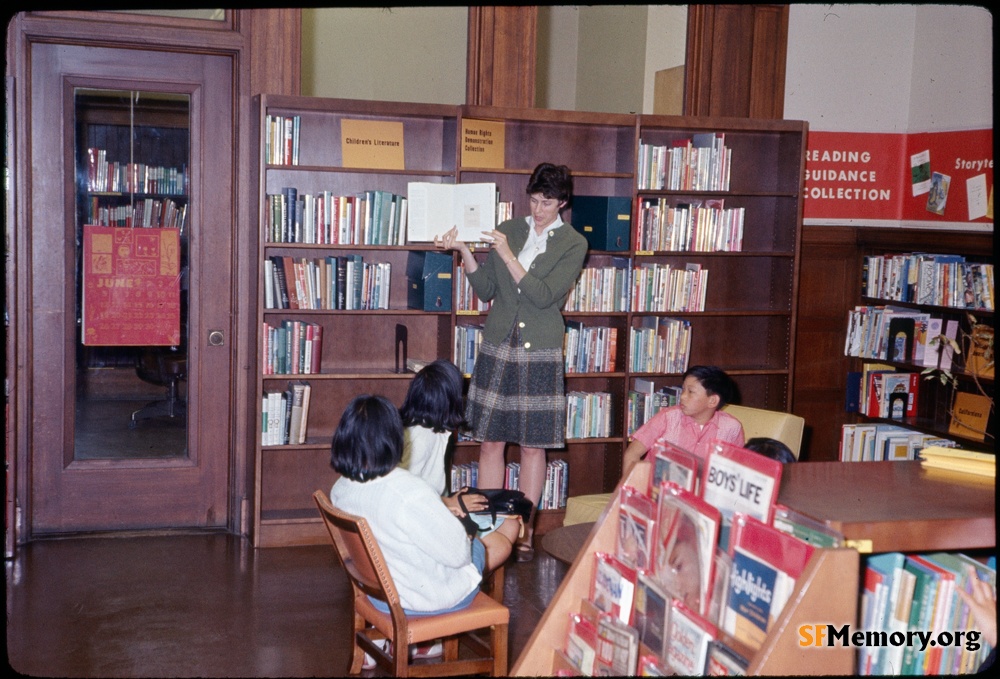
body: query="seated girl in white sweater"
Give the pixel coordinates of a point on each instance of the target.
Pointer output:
(434, 564)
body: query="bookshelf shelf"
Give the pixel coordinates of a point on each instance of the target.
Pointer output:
(750, 292)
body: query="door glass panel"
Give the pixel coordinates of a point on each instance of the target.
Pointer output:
(132, 213)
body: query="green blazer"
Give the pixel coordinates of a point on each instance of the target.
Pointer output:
(536, 302)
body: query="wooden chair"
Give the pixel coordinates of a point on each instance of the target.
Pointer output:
(362, 560)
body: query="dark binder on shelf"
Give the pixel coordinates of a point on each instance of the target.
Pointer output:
(428, 281)
(604, 221)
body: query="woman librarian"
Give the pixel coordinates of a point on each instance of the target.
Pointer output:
(517, 393)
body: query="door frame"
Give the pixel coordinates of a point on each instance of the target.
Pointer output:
(220, 38)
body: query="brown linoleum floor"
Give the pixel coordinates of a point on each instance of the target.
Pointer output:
(201, 606)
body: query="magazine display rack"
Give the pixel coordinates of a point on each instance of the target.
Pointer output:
(818, 597)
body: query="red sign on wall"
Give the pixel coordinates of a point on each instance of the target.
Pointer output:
(131, 286)
(930, 178)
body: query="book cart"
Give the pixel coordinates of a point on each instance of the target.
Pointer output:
(879, 507)
(750, 293)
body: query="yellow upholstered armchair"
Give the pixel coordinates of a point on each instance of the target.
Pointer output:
(756, 422)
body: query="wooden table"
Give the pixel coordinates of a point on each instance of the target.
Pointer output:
(565, 542)
(898, 506)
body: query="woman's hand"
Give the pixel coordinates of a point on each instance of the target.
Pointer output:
(449, 240)
(499, 241)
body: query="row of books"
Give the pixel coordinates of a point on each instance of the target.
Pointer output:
(604, 289)
(696, 226)
(701, 163)
(699, 560)
(144, 213)
(292, 347)
(660, 345)
(467, 341)
(645, 400)
(662, 287)
(588, 415)
(590, 349)
(343, 282)
(365, 218)
(918, 593)
(555, 488)
(285, 415)
(884, 442)
(901, 334)
(554, 492)
(928, 278)
(109, 176)
(465, 299)
(879, 390)
(281, 139)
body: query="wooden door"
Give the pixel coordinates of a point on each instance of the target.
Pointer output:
(70, 493)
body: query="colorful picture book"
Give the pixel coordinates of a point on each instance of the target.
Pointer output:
(687, 535)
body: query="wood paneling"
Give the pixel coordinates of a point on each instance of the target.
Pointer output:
(501, 57)
(735, 63)
(827, 288)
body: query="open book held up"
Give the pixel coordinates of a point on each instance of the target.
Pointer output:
(435, 208)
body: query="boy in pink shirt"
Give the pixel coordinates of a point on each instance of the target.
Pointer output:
(695, 422)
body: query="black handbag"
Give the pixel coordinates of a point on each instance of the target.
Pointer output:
(501, 501)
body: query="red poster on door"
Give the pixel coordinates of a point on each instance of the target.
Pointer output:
(131, 286)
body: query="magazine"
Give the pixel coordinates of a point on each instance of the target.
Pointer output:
(688, 640)
(686, 538)
(739, 480)
(673, 463)
(613, 586)
(636, 528)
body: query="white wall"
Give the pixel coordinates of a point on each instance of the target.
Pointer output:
(414, 54)
(890, 68)
(860, 68)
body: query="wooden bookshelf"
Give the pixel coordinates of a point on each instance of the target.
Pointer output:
(934, 399)
(751, 292)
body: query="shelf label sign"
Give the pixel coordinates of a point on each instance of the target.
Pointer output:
(929, 178)
(131, 286)
(483, 143)
(372, 144)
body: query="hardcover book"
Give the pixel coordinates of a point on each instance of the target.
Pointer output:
(434, 209)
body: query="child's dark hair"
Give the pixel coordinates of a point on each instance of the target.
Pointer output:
(368, 442)
(772, 448)
(434, 399)
(715, 382)
(552, 181)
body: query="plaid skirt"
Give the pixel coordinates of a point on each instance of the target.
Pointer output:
(517, 396)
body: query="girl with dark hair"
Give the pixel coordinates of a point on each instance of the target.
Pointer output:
(435, 566)
(517, 393)
(432, 410)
